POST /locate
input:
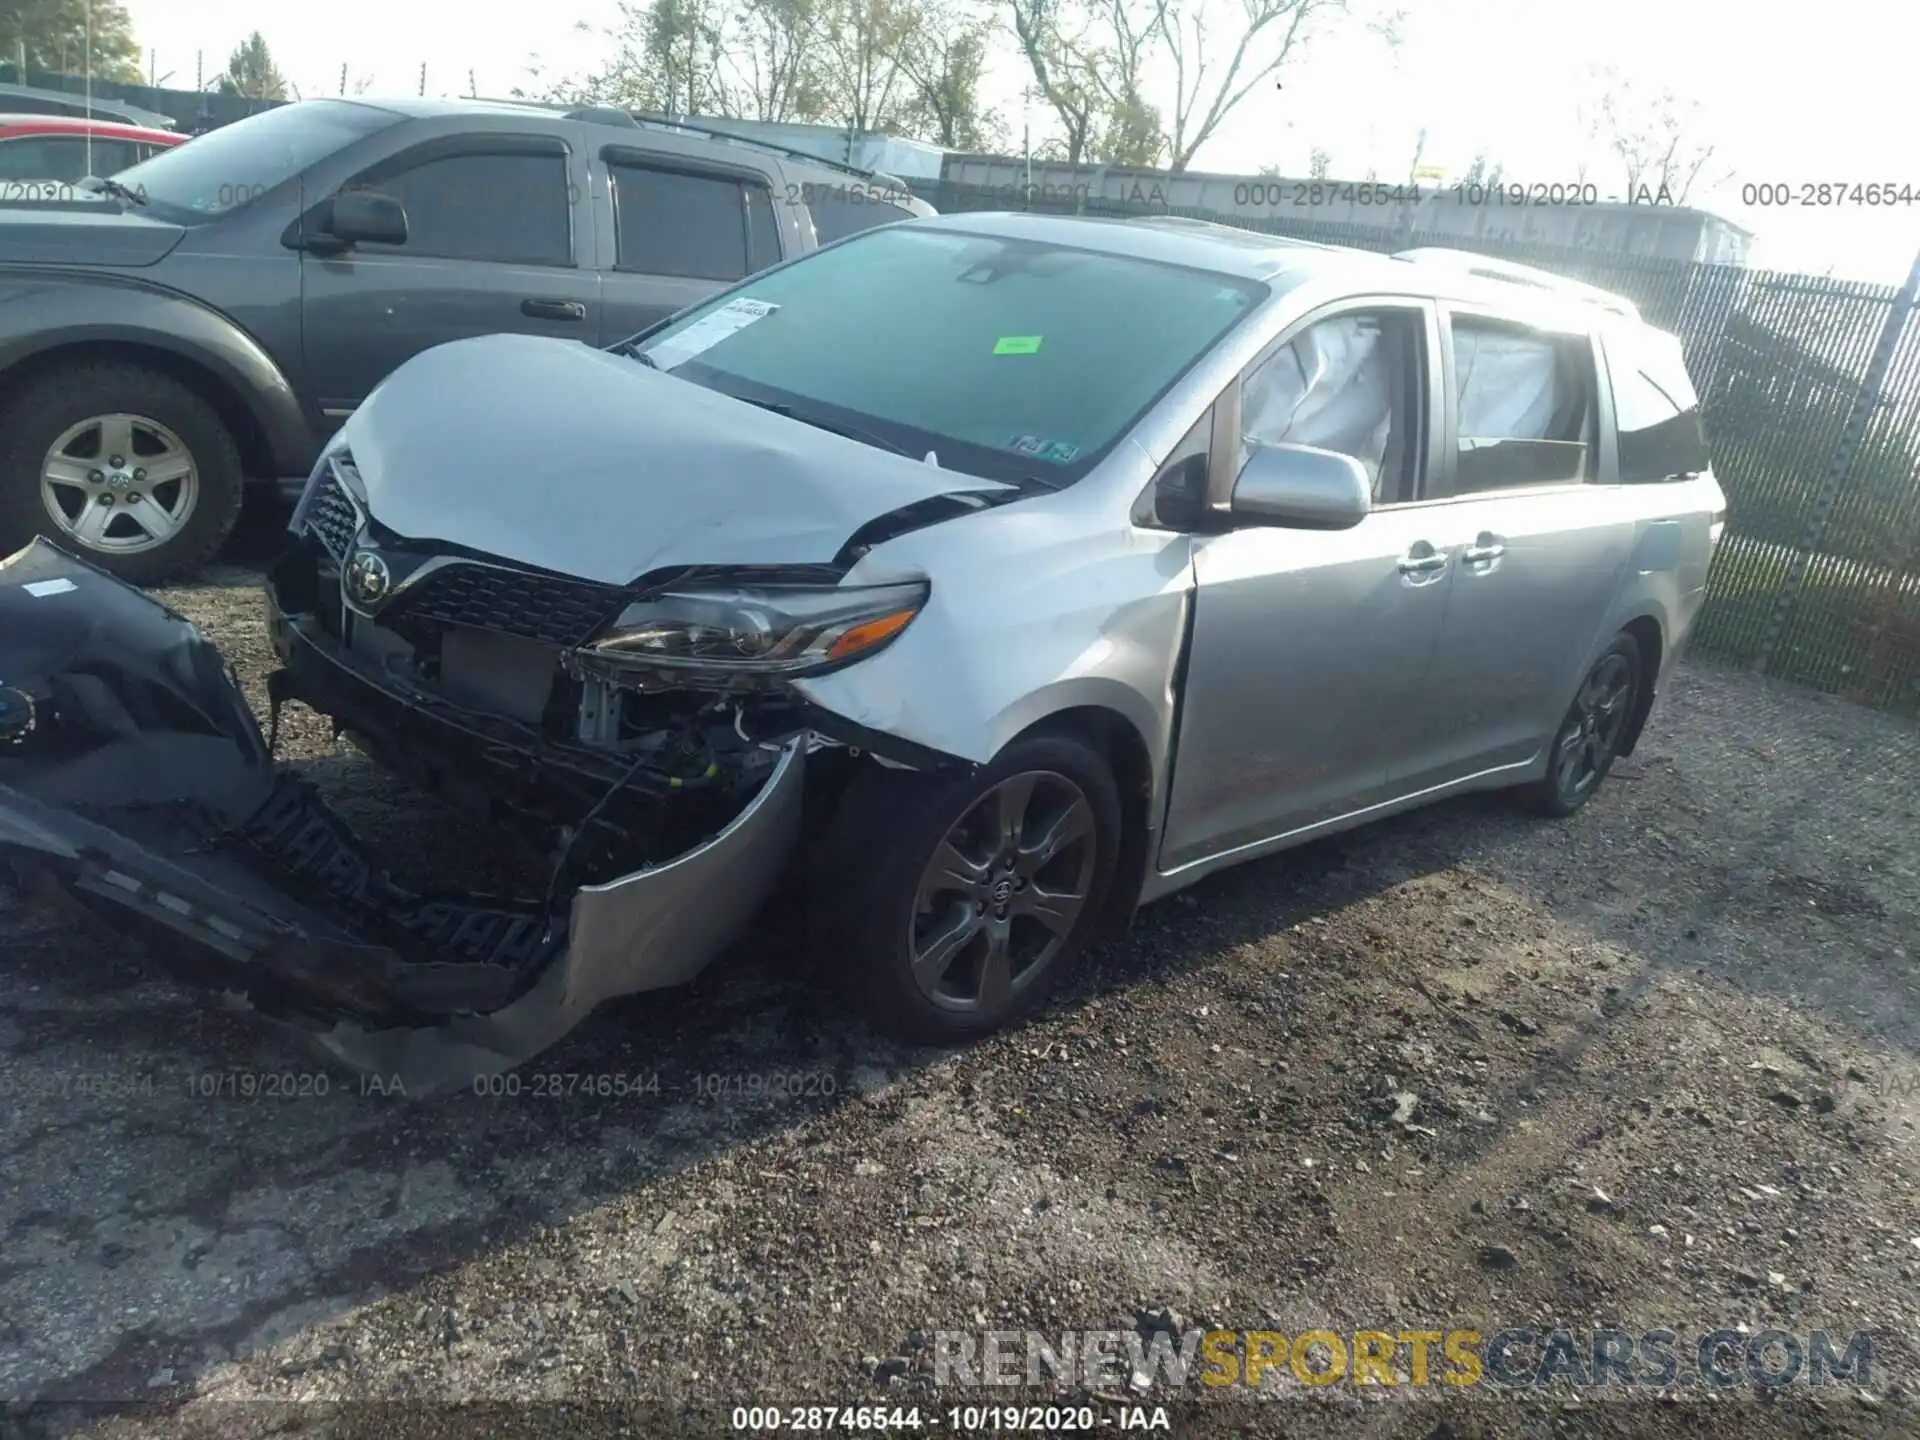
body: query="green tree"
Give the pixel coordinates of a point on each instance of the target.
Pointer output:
(1483, 171)
(52, 34)
(770, 60)
(666, 59)
(946, 69)
(251, 72)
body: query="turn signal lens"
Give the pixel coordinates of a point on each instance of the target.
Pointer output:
(869, 633)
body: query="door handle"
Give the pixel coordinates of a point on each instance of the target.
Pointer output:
(1422, 559)
(553, 309)
(1485, 549)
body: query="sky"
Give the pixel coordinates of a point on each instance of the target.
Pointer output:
(1785, 97)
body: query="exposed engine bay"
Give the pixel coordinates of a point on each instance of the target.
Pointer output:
(133, 773)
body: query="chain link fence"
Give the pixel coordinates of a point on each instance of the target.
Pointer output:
(1811, 393)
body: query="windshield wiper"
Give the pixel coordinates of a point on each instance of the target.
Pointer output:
(852, 432)
(95, 185)
(634, 352)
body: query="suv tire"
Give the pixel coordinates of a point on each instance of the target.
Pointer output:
(55, 436)
(1588, 740)
(948, 906)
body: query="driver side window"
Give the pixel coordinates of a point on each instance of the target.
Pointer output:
(1349, 383)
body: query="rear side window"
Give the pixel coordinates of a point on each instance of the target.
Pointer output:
(1655, 407)
(840, 211)
(1525, 405)
(692, 225)
(507, 208)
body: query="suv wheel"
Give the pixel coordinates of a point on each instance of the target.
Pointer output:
(1588, 741)
(123, 465)
(948, 907)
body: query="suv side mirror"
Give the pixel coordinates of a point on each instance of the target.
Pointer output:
(357, 215)
(1302, 488)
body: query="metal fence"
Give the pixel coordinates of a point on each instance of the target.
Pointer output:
(1811, 393)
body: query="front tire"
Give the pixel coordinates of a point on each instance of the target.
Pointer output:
(1591, 733)
(120, 464)
(948, 907)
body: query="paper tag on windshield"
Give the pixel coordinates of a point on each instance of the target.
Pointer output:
(708, 331)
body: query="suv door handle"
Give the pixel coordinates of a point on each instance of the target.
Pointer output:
(1422, 559)
(553, 309)
(1485, 549)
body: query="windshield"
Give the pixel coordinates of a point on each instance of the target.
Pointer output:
(226, 168)
(1007, 358)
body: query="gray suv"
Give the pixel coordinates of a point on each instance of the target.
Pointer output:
(212, 315)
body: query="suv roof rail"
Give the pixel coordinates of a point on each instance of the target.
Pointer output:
(1486, 267)
(601, 115)
(641, 119)
(694, 127)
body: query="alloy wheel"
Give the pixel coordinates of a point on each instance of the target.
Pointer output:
(119, 483)
(1003, 891)
(1590, 736)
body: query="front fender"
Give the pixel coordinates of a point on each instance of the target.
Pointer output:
(1036, 608)
(42, 312)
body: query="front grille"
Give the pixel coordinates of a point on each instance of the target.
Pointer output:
(331, 515)
(549, 608)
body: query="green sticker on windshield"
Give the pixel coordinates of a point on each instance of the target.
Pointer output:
(1017, 345)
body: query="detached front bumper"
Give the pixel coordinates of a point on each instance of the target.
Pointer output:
(133, 774)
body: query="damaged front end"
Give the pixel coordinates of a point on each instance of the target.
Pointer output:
(133, 773)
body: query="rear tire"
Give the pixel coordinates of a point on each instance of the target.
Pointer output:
(66, 427)
(1591, 733)
(948, 907)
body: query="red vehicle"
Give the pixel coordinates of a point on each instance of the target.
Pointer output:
(41, 156)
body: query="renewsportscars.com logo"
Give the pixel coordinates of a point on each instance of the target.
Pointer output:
(1513, 1359)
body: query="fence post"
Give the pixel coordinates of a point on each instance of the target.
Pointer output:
(1852, 435)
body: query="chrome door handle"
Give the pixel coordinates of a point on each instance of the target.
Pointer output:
(1412, 564)
(1479, 554)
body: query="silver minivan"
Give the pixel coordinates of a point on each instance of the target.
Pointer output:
(986, 576)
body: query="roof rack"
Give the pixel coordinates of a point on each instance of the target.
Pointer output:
(612, 115)
(693, 127)
(1486, 267)
(602, 115)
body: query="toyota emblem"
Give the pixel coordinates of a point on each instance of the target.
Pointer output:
(367, 578)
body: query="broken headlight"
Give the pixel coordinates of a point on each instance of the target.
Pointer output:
(744, 637)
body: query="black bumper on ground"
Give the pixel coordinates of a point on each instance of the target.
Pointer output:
(133, 774)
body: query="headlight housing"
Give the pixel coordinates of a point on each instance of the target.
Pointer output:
(749, 636)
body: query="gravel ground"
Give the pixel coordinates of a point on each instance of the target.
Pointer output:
(1653, 1067)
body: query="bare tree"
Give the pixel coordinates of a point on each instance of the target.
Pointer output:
(862, 45)
(1654, 137)
(666, 58)
(1419, 152)
(1319, 164)
(1051, 35)
(770, 60)
(1221, 50)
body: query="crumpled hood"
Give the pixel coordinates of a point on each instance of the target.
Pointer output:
(557, 455)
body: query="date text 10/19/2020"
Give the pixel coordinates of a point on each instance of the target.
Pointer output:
(1368, 193)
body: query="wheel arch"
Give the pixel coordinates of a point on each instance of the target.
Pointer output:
(1120, 741)
(1648, 635)
(49, 325)
(242, 422)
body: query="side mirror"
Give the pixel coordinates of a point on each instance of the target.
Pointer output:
(357, 215)
(1302, 488)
